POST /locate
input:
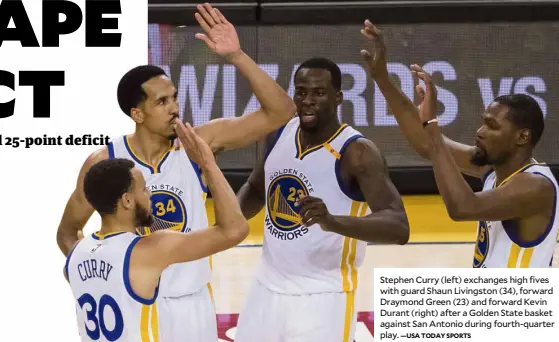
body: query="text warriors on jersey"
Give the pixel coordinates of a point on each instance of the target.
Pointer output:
(286, 187)
(168, 209)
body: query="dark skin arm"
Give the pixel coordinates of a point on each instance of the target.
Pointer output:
(523, 196)
(363, 163)
(251, 194)
(406, 113)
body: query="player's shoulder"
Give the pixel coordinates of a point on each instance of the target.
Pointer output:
(532, 186)
(361, 146)
(533, 180)
(97, 156)
(362, 155)
(103, 153)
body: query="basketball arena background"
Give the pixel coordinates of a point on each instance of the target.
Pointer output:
(475, 50)
(472, 52)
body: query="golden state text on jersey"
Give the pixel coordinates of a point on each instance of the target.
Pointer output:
(286, 187)
(168, 208)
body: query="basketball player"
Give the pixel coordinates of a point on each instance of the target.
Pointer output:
(518, 205)
(114, 273)
(326, 193)
(147, 95)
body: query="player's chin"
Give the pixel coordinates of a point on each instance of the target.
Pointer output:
(171, 133)
(309, 125)
(479, 158)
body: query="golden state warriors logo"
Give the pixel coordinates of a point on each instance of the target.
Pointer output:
(482, 245)
(167, 209)
(282, 218)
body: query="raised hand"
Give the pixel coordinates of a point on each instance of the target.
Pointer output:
(375, 55)
(221, 37)
(196, 148)
(428, 97)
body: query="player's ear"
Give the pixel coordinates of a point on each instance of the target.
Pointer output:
(339, 97)
(127, 200)
(524, 136)
(137, 115)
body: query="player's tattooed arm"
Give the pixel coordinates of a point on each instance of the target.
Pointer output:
(277, 108)
(363, 163)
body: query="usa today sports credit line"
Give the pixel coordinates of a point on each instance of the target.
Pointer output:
(466, 304)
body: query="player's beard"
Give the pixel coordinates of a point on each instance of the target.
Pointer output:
(143, 217)
(480, 157)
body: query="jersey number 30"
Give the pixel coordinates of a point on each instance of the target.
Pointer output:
(96, 315)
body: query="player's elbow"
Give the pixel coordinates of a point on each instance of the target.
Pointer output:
(65, 238)
(458, 213)
(402, 229)
(287, 113)
(60, 240)
(239, 233)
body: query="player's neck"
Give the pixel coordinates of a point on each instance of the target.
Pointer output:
(114, 224)
(147, 146)
(515, 163)
(320, 136)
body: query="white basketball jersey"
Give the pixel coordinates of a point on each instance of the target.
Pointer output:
(178, 203)
(298, 259)
(107, 308)
(496, 245)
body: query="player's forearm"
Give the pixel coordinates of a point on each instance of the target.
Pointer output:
(272, 98)
(250, 202)
(228, 215)
(455, 191)
(383, 227)
(406, 114)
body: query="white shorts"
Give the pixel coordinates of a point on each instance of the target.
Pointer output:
(188, 318)
(273, 317)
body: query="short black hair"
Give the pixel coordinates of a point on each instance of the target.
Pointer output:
(130, 92)
(323, 63)
(524, 112)
(106, 182)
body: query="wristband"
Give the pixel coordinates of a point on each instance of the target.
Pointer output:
(425, 123)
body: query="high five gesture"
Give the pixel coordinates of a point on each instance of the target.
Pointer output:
(375, 56)
(221, 36)
(410, 117)
(277, 108)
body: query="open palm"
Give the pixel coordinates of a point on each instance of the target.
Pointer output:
(221, 36)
